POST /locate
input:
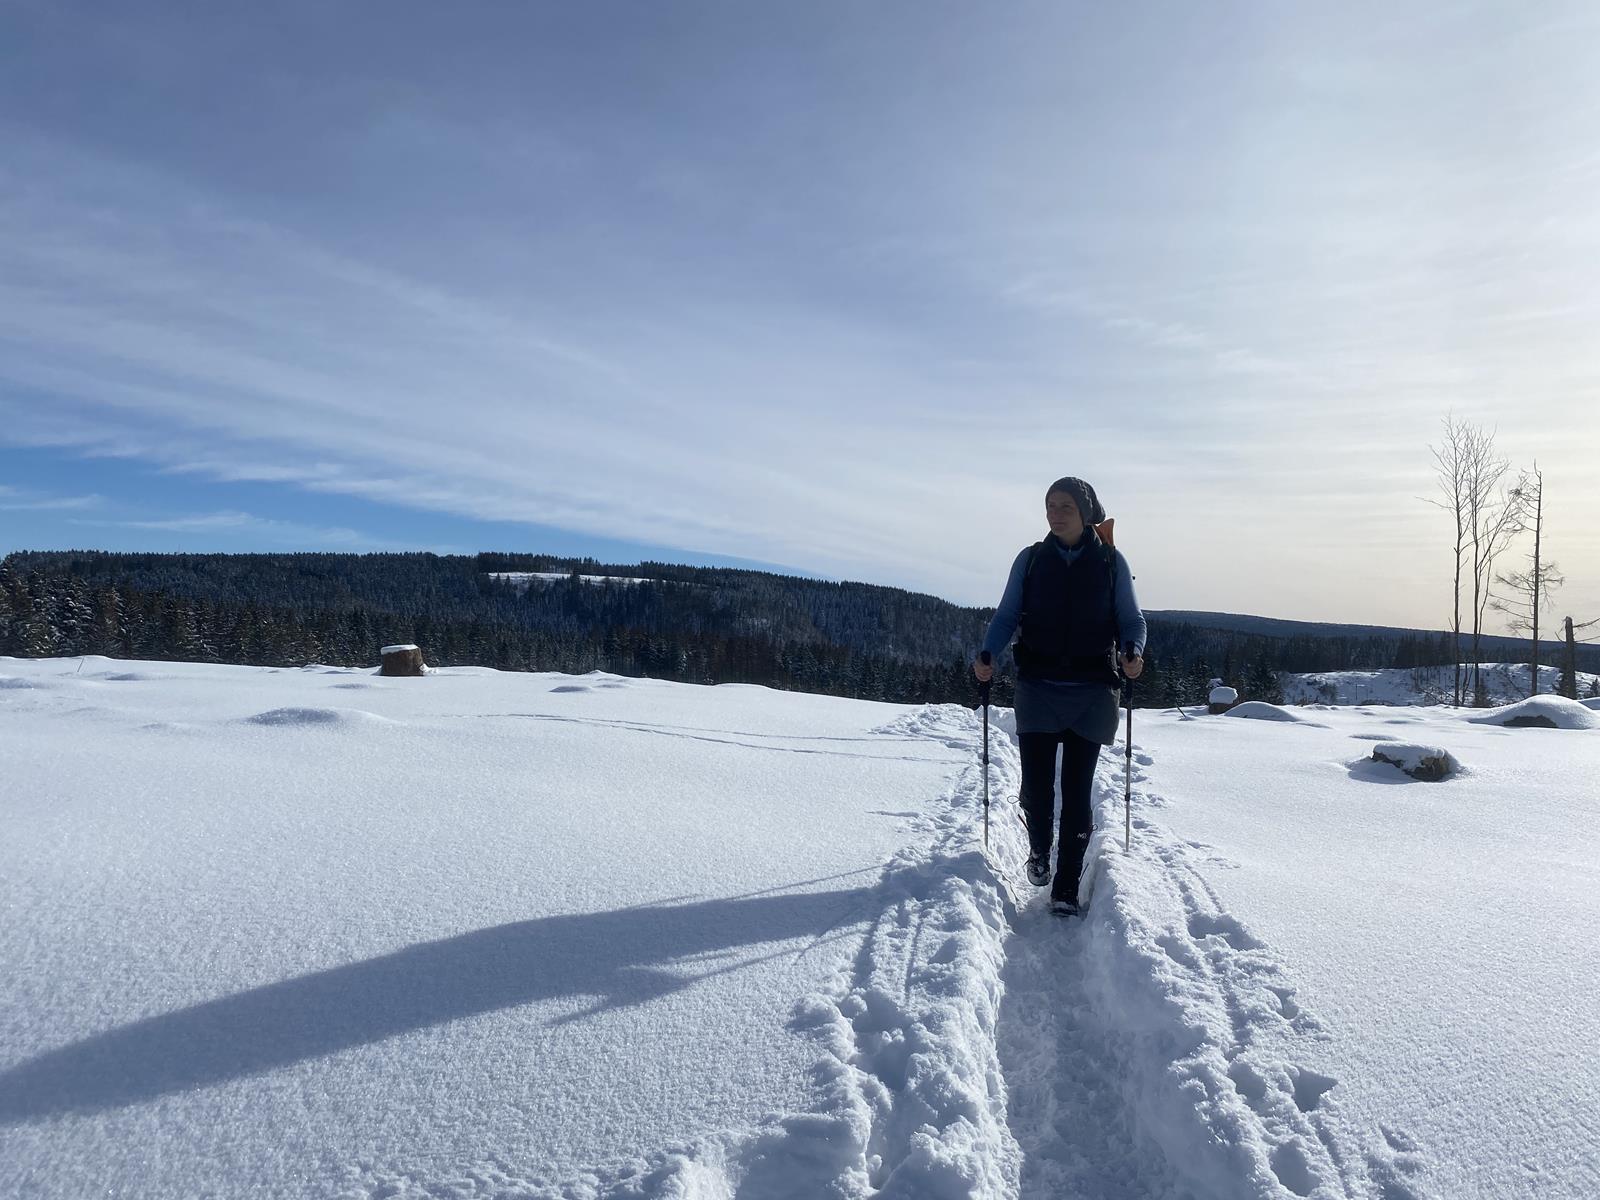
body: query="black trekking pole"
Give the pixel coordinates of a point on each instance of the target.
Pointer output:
(1127, 766)
(983, 698)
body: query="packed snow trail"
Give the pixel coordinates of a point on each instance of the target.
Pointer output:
(1153, 1048)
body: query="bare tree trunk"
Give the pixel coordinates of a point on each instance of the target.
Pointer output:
(1538, 526)
(1569, 669)
(1451, 459)
(1483, 472)
(1526, 591)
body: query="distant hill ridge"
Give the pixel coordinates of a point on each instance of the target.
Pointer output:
(737, 625)
(1281, 628)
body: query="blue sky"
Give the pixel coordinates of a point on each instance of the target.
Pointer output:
(834, 287)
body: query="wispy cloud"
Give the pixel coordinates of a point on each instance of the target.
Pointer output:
(235, 525)
(19, 500)
(245, 353)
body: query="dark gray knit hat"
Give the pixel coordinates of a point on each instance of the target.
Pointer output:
(1089, 507)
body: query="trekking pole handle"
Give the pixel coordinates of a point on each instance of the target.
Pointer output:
(987, 660)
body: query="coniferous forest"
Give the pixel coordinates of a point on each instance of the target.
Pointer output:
(691, 624)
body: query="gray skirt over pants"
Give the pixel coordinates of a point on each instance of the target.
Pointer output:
(1087, 709)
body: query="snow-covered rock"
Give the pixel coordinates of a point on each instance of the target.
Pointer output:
(1428, 763)
(1260, 710)
(1550, 712)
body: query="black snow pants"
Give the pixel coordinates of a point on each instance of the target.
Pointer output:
(1078, 758)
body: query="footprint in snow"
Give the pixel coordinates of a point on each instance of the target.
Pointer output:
(1293, 1168)
(1310, 1087)
(1287, 1005)
(1249, 1083)
(1223, 926)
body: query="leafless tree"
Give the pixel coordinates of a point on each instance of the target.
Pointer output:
(1494, 516)
(1486, 515)
(1526, 591)
(1450, 468)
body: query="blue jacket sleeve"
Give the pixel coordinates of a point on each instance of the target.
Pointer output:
(1009, 612)
(1130, 620)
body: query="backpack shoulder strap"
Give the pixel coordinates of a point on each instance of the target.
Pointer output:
(1111, 568)
(1033, 553)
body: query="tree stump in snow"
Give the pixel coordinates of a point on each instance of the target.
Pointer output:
(1221, 698)
(402, 660)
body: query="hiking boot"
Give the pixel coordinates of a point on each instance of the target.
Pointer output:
(1038, 869)
(1064, 908)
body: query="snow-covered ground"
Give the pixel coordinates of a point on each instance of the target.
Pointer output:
(330, 933)
(522, 579)
(1445, 935)
(318, 933)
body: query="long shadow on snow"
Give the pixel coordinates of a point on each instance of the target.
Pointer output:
(623, 957)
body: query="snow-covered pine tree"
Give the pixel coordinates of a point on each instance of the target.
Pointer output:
(7, 610)
(108, 634)
(37, 635)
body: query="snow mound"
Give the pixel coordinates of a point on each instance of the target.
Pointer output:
(1260, 710)
(1550, 712)
(572, 687)
(1429, 763)
(1003, 719)
(324, 717)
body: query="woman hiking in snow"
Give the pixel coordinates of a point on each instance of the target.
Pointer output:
(1070, 600)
